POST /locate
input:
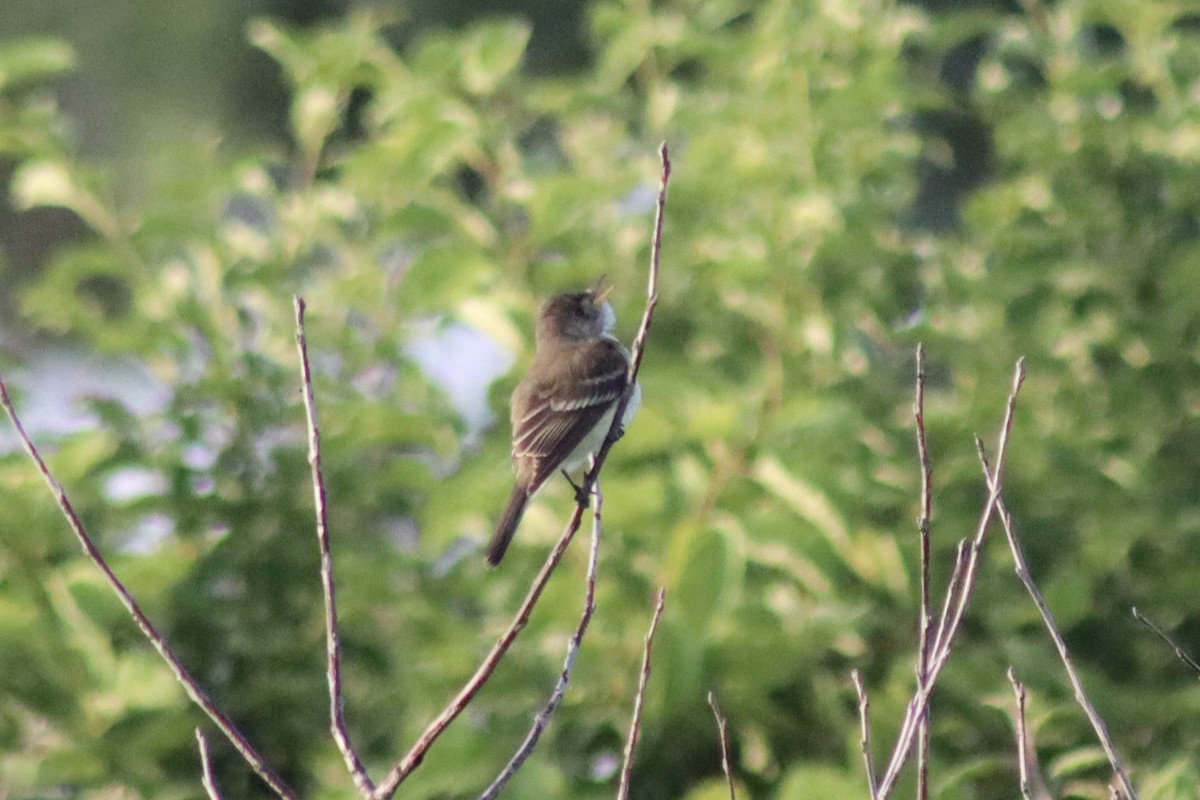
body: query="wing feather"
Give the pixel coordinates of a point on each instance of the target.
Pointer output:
(553, 413)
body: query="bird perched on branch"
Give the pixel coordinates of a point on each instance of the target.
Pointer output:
(562, 409)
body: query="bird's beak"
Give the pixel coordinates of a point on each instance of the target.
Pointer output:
(601, 292)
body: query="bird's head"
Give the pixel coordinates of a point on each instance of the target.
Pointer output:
(577, 316)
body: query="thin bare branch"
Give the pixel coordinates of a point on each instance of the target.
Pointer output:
(948, 626)
(333, 661)
(1180, 653)
(207, 779)
(923, 529)
(864, 736)
(416, 754)
(190, 686)
(941, 649)
(1023, 750)
(564, 677)
(1023, 574)
(639, 341)
(723, 732)
(962, 557)
(639, 699)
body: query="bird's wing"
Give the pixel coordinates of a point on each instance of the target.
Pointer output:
(555, 414)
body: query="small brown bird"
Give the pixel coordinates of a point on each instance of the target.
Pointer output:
(563, 408)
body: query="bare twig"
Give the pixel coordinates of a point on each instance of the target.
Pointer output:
(723, 732)
(1180, 653)
(1023, 574)
(957, 597)
(639, 699)
(1033, 783)
(923, 527)
(190, 686)
(416, 753)
(564, 677)
(1023, 749)
(207, 779)
(864, 737)
(639, 341)
(333, 661)
(962, 557)
(941, 649)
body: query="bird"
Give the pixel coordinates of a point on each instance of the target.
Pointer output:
(563, 408)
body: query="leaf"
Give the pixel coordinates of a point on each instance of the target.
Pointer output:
(491, 53)
(44, 183)
(316, 112)
(806, 500)
(702, 581)
(57, 183)
(34, 59)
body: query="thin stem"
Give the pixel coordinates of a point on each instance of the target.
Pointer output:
(416, 754)
(207, 779)
(864, 735)
(941, 649)
(333, 661)
(639, 699)
(1023, 751)
(1023, 574)
(206, 773)
(1180, 653)
(923, 527)
(190, 686)
(961, 557)
(564, 677)
(723, 732)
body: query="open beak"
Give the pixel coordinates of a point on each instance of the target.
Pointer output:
(600, 291)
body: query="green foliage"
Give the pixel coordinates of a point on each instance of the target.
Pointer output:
(830, 208)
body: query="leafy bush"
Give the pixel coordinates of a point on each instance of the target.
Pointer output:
(850, 179)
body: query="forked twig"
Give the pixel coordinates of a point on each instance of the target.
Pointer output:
(948, 628)
(1023, 574)
(723, 732)
(639, 700)
(190, 686)
(564, 677)
(957, 598)
(333, 661)
(416, 753)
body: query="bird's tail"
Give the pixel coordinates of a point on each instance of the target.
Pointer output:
(507, 526)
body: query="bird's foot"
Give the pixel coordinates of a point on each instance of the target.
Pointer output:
(581, 496)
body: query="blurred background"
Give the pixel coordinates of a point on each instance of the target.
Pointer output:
(994, 179)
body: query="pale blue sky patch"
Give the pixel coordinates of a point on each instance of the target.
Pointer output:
(463, 362)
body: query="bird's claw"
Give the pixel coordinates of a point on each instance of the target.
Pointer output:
(581, 495)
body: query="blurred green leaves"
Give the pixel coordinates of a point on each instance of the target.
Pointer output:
(28, 60)
(850, 179)
(28, 123)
